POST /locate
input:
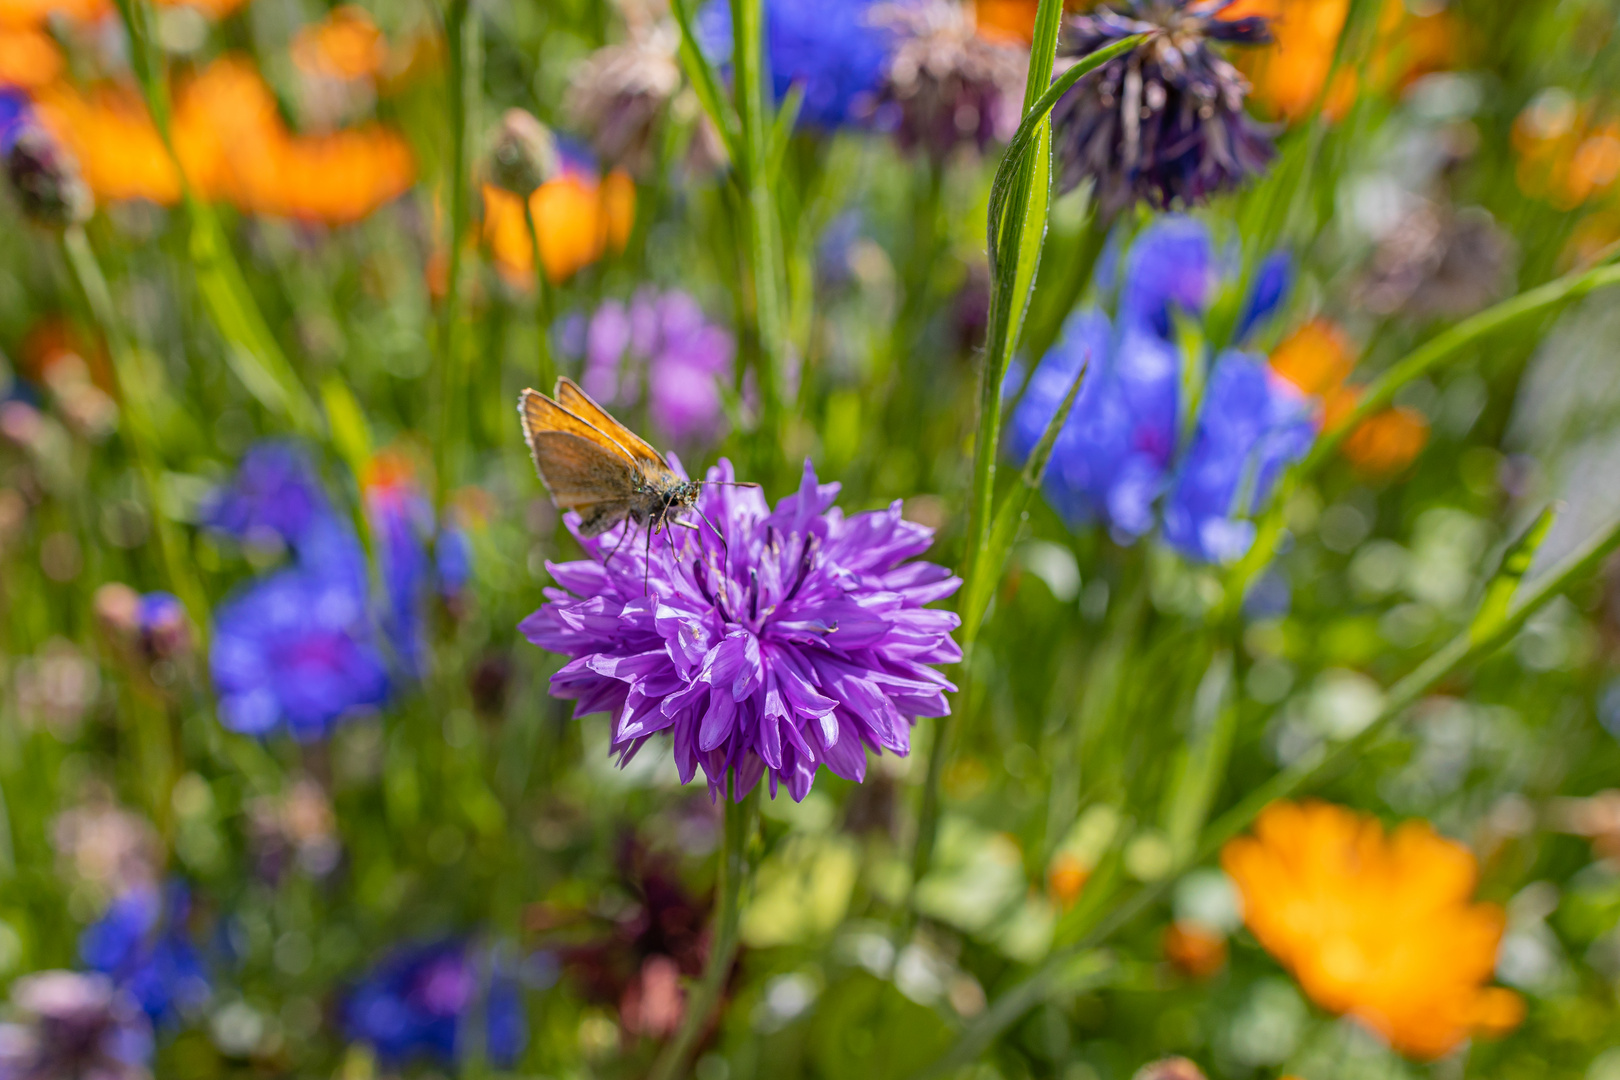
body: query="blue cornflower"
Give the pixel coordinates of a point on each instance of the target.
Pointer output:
(275, 495)
(142, 945)
(294, 650)
(14, 115)
(419, 1001)
(1132, 441)
(831, 48)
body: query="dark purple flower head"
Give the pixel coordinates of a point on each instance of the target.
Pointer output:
(809, 645)
(946, 85)
(419, 1001)
(45, 179)
(294, 651)
(664, 340)
(73, 1026)
(142, 944)
(1165, 124)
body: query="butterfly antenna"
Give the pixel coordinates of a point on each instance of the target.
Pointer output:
(730, 483)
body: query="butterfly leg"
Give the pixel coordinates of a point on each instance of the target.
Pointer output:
(646, 558)
(629, 527)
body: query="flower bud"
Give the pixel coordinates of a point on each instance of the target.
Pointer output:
(525, 154)
(46, 180)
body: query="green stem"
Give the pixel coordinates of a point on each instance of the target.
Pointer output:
(547, 368)
(461, 27)
(764, 224)
(1464, 649)
(740, 819)
(137, 427)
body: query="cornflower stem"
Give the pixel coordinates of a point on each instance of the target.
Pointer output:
(546, 371)
(764, 223)
(461, 29)
(741, 817)
(1469, 646)
(1439, 349)
(137, 427)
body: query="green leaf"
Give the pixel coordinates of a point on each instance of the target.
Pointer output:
(1493, 610)
(251, 350)
(706, 84)
(782, 132)
(351, 435)
(1011, 514)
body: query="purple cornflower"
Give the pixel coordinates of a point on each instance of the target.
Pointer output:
(665, 340)
(142, 945)
(1165, 123)
(830, 48)
(74, 1026)
(419, 1002)
(1124, 445)
(801, 640)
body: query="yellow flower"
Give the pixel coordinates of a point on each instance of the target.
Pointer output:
(1380, 928)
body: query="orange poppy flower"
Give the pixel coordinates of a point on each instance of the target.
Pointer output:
(1006, 20)
(233, 146)
(576, 216)
(344, 45)
(1065, 878)
(112, 136)
(1377, 927)
(1317, 358)
(29, 58)
(1288, 75)
(1568, 153)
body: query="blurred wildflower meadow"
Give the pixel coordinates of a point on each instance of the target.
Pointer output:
(1151, 614)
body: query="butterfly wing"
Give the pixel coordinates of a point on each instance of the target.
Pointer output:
(581, 466)
(578, 402)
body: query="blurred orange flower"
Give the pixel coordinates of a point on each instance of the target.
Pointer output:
(1317, 358)
(1194, 949)
(576, 216)
(1288, 76)
(1568, 152)
(1065, 878)
(1376, 927)
(16, 13)
(111, 134)
(234, 146)
(29, 58)
(344, 45)
(1006, 20)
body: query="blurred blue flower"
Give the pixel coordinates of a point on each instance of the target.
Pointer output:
(275, 493)
(294, 650)
(14, 114)
(1124, 445)
(1251, 424)
(141, 943)
(831, 48)
(420, 1001)
(401, 521)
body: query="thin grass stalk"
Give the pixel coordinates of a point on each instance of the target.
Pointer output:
(546, 367)
(1464, 649)
(136, 426)
(752, 76)
(461, 29)
(741, 817)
